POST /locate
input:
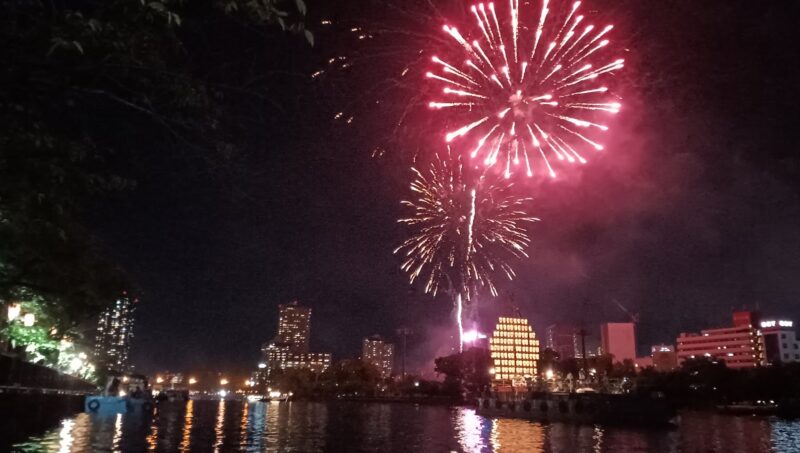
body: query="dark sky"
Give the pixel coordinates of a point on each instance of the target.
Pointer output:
(693, 210)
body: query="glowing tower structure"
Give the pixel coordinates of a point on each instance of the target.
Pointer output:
(515, 351)
(114, 334)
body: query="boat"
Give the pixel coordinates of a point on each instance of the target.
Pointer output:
(760, 407)
(172, 395)
(585, 407)
(123, 393)
(275, 395)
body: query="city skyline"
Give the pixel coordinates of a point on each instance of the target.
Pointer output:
(292, 340)
(775, 341)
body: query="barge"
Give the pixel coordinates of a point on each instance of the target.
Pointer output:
(586, 408)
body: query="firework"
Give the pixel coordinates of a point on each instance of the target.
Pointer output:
(526, 86)
(464, 233)
(372, 76)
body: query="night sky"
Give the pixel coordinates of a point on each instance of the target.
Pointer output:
(693, 211)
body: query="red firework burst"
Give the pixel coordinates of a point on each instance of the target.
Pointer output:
(527, 86)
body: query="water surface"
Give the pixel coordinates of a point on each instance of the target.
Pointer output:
(222, 426)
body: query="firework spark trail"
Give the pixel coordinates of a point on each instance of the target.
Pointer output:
(553, 94)
(459, 320)
(471, 223)
(465, 230)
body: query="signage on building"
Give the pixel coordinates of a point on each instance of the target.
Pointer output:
(780, 323)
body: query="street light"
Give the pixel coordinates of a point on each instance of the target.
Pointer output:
(75, 364)
(29, 319)
(14, 311)
(159, 379)
(223, 381)
(192, 381)
(262, 365)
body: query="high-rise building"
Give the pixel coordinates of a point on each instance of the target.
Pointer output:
(738, 346)
(114, 334)
(564, 340)
(779, 342)
(290, 347)
(380, 354)
(619, 340)
(294, 327)
(514, 350)
(274, 356)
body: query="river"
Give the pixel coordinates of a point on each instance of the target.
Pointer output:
(211, 426)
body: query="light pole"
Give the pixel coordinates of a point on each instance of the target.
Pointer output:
(582, 332)
(404, 332)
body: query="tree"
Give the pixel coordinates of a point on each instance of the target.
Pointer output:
(299, 381)
(40, 338)
(548, 360)
(85, 89)
(469, 369)
(351, 376)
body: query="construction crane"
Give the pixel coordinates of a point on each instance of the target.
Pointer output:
(634, 317)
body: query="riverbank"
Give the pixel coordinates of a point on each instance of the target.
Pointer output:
(30, 411)
(423, 400)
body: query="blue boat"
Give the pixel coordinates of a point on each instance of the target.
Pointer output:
(122, 394)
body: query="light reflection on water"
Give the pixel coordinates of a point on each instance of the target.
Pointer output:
(186, 437)
(223, 426)
(219, 434)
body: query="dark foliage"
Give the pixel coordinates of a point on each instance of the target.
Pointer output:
(86, 90)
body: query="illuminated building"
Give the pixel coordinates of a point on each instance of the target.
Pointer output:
(290, 347)
(738, 346)
(619, 340)
(279, 356)
(564, 340)
(378, 353)
(316, 361)
(167, 380)
(294, 327)
(779, 342)
(114, 334)
(664, 357)
(514, 350)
